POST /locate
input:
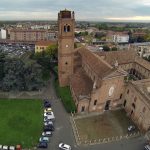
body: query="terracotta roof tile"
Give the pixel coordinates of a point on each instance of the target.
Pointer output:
(81, 84)
(122, 57)
(96, 64)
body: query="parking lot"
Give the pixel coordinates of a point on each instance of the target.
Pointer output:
(16, 49)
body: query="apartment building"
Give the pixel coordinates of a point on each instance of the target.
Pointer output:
(31, 35)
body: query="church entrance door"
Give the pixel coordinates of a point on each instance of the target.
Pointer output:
(107, 105)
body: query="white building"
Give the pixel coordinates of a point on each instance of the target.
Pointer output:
(46, 27)
(117, 37)
(2, 34)
(143, 49)
(121, 38)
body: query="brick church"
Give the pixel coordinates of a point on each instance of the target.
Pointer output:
(101, 81)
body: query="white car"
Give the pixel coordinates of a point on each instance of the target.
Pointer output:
(50, 116)
(11, 147)
(5, 147)
(48, 113)
(47, 133)
(131, 128)
(47, 110)
(48, 123)
(63, 146)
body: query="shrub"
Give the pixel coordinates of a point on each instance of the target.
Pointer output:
(65, 94)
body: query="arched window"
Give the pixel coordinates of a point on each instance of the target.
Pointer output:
(124, 104)
(120, 96)
(65, 28)
(68, 28)
(95, 102)
(133, 105)
(82, 108)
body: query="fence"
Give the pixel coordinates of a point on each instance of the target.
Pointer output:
(80, 141)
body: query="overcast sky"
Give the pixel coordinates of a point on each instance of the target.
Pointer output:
(94, 10)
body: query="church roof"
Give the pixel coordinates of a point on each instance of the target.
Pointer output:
(122, 56)
(142, 62)
(96, 64)
(81, 84)
(143, 86)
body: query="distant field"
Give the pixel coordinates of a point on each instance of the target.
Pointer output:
(21, 122)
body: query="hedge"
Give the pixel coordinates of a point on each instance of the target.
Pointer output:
(65, 94)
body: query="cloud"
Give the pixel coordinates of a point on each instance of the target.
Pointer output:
(84, 9)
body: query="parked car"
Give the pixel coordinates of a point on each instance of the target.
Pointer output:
(5, 147)
(49, 128)
(42, 145)
(63, 146)
(131, 128)
(11, 147)
(48, 123)
(1, 146)
(49, 117)
(48, 114)
(47, 133)
(47, 104)
(44, 139)
(47, 110)
(147, 147)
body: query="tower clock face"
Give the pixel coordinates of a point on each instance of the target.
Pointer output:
(111, 90)
(66, 46)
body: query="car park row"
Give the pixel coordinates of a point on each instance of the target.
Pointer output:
(48, 127)
(5, 147)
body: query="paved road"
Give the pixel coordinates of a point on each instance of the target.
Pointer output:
(63, 130)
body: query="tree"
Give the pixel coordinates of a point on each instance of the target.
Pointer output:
(51, 51)
(106, 48)
(114, 48)
(20, 76)
(2, 61)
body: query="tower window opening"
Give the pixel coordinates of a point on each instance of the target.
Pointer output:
(66, 28)
(66, 63)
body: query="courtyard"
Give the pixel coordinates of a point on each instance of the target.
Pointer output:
(108, 125)
(20, 122)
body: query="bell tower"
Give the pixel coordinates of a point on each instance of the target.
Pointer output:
(65, 46)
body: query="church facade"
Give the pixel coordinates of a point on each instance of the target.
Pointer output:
(103, 81)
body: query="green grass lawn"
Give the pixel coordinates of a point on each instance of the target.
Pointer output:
(21, 122)
(65, 94)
